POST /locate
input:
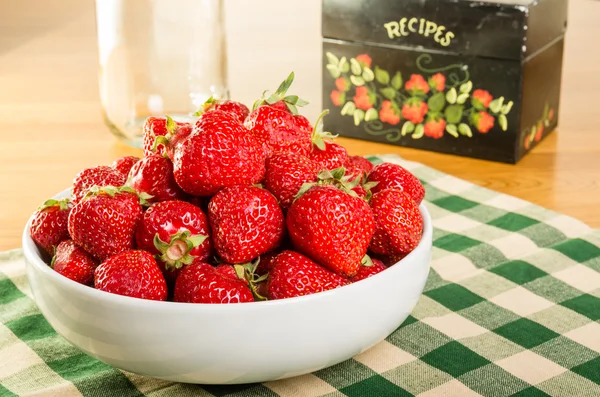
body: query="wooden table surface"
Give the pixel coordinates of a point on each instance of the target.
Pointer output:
(51, 124)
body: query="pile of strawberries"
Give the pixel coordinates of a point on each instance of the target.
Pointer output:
(237, 207)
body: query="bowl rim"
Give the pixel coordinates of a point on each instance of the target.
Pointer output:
(32, 256)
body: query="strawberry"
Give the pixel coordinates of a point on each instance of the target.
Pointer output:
(49, 224)
(286, 173)
(328, 155)
(153, 175)
(398, 223)
(74, 263)
(331, 157)
(176, 232)
(219, 153)
(96, 176)
(155, 127)
(131, 273)
(246, 222)
(331, 227)
(275, 122)
(124, 164)
(294, 274)
(237, 109)
(368, 271)
(389, 175)
(230, 271)
(358, 165)
(202, 283)
(104, 223)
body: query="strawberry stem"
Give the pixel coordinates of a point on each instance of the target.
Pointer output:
(291, 101)
(176, 252)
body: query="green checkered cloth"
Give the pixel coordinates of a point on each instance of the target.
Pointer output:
(511, 307)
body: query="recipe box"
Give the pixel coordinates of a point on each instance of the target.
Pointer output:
(472, 78)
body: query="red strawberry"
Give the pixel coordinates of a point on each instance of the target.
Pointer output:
(331, 157)
(368, 271)
(74, 263)
(331, 227)
(124, 164)
(328, 155)
(230, 271)
(104, 224)
(177, 233)
(398, 223)
(275, 122)
(238, 109)
(155, 127)
(97, 176)
(153, 175)
(389, 175)
(294, 275)
(359, 162)
(201, 283)
(49, 224)
(219, 153)
(286, 173)
(131, 273)
(246, 222)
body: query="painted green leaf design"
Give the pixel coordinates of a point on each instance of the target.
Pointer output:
(436, 102)
(355, 67)
(359, 115)
(546, 110)
(388, 92)
(462, 98)
(397, 81)
(503, 122)
(357, 80)
(451, 96)
(335, 72)
(371, 115)
(382, 76)
(419, 131)
(407, 128)
(344, 66)
(332, 59)
(372, 97)
(547, 123)
(453, 114)
(368, 74)
(464, 129)
(496, 104)
(466, 87)
(533, 131)
(452, 130)
(506, 108)
(348, 108)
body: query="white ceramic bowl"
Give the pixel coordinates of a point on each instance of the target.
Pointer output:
(235, 343)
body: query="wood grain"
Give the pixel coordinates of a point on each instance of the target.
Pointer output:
(52, 127)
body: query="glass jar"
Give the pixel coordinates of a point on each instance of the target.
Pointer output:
(158, 57)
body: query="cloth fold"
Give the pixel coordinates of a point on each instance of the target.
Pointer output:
(511, 307)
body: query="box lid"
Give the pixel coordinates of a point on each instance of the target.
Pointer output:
(508, 29)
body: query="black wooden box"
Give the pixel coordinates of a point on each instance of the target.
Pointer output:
(473, 78)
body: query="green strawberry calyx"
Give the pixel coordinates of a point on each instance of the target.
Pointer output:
(247, 271)
(61, 204)
(338, 179)
(113, 190)
(176, 252)
(205, 106)
(366, 261)
(318, 135)
(292, 102)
